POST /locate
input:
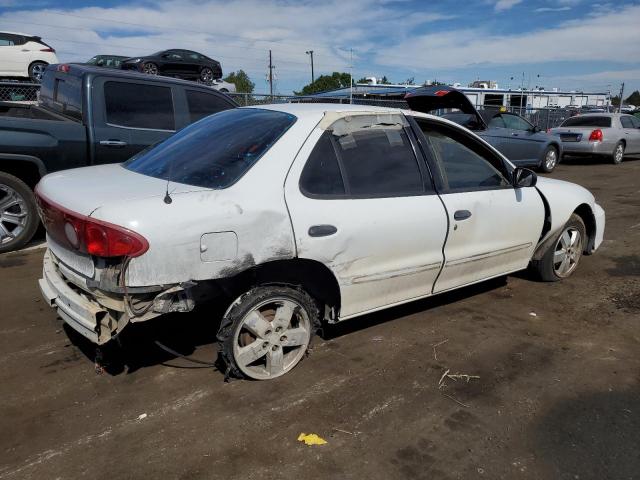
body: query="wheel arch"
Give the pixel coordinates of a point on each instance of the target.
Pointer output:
(312, 276)
(585, 212)
(27, 168)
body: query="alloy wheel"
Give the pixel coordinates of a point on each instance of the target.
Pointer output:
(150, 68)
(13, 214)
(618, 154)
(551, 159)
(206, 75)
(37, 71)
(272, 338)
(567, 252)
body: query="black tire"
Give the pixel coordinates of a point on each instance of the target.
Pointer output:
(233, 324)
(618, 153)
(150, 68)
(9, 183)
(550, 159)
(546, 267)
(206, 76)
(36, 70)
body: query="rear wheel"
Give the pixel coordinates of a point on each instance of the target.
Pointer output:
(618, 153)
(36, 71)
(150, 68)
(563, 255)
(18, 214)
(266, 332)
(549, 159)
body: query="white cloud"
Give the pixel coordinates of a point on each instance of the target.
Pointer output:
(552, 9)
(502, 5)
(608, 37)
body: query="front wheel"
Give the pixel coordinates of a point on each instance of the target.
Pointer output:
(206, 75)
(563, 255)
(549, 159)
(618, 153)
(150, 68)
(18, 213)
(267, 331)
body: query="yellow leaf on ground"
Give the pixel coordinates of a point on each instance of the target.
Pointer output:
(311, 439)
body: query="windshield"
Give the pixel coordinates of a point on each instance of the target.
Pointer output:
(216, 151)
(587, 122)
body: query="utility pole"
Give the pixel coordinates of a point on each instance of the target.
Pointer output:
(310, 53)
(621, 95)
(271, 67)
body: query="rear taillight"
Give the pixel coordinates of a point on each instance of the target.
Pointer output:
(596, 136)
(88, 235)
(63, 68)
(49, 50)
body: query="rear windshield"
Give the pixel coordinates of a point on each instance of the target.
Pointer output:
(216, 151)
(587, 122)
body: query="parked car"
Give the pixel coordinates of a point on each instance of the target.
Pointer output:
(610, 135)
(177, 63)
(521, 142)
(108, 61)
(304, 213)
(224, 87)
(24, 56)
(86, 115)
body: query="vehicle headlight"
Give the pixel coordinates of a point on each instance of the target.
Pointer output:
(136, 60)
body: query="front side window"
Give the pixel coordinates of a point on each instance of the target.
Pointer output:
(137, 105)
(216, 151)
(497, 122)
(202, 104)
(463, 166)
(516, 123)
(6, 40)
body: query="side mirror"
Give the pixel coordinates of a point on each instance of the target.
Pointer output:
(536, 129)
(523, 177)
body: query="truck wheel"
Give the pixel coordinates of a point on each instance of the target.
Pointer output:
(549, 159)
(563, 255)
(267, 331)
(18, 213)
(618, 153)
(36, 70)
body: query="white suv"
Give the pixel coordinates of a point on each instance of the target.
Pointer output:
(25, 56)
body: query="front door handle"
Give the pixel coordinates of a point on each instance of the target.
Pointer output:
(515, 134)
(322, 230)
(461, 215)
(113, 143)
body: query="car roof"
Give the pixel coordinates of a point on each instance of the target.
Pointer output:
(315, 108)
(602, 114)
(19, 33)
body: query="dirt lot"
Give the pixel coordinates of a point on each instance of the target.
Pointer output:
(558, 395)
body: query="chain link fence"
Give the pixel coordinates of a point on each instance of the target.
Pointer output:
(544, 118)
(19, 91)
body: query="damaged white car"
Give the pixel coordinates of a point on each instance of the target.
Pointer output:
(295, 214)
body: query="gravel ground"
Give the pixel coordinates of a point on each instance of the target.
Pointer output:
(558, 393)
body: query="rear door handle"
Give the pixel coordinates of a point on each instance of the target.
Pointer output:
(515, 134)
(322, 230)
(461, 215)
(113, 143)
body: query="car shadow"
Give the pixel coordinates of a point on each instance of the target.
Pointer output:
(594, 160)
(592, 436)
(136, 347)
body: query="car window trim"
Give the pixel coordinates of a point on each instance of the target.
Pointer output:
(444, 185)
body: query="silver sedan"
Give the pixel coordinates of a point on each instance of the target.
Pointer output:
(612, 135)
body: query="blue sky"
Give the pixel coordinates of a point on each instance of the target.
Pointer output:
(570, 44)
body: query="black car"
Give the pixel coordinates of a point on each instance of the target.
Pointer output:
(177, 63)
(108, 61)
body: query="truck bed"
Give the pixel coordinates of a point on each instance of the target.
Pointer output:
(34, 112)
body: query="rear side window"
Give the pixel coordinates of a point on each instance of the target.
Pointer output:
(62, 93)
(379, 162)
(627, 122)
(139, 106)
(202, 104)
(321, 174)
(589, 121)
(217, 151)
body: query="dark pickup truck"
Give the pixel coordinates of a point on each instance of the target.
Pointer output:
(86, 116)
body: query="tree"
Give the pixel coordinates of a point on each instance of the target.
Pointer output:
(326, 82)
(633, 99)
(241, 80)
(384, 81)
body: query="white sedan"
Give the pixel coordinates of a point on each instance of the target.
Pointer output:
(295, 214)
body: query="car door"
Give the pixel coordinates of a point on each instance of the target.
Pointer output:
(361, 202)
(173, 63)
(192, 63)
(493, 227)
(521, 143)
(14, 57)
(631, 128)
(128, 117)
